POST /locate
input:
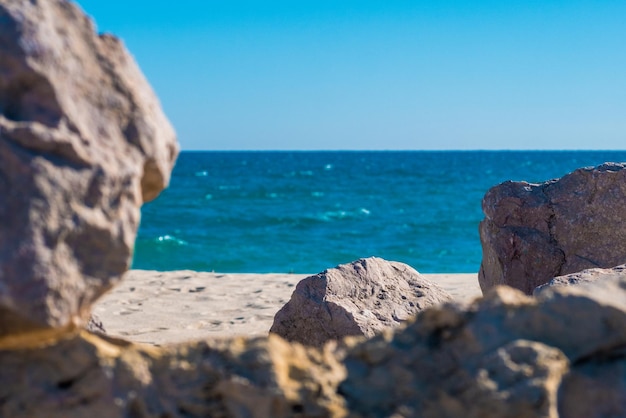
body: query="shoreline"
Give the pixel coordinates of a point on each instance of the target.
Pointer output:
(164, 307)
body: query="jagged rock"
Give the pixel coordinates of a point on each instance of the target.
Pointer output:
(585, 276)
(83, 142)
(86, 375)
(508, 355)
(535, 232)
(596, 388)
(360, 298)
(560, 354)
(95, 324)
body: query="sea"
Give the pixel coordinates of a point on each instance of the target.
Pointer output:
(304, 212)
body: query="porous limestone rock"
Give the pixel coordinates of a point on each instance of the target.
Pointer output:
(560, 354)
(359, 298)
(86, 375)
(507, 355)
(94, 324)
(535, 232)
(585, 276)
(83, 142)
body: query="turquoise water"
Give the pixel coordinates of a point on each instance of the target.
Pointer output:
(303, 212)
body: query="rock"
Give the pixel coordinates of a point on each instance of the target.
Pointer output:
(582, 277)
(508, 355)
(360, 298)
(560, 354)
(596, 388)
(83, 375)
(535, 232)
(95, 324)
(83, 142)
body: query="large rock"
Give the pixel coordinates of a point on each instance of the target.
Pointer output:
(83, 142)
(360, 298)
(560, 354)
(582, 277)
(535, 232)
(83, 375)
(509, 355)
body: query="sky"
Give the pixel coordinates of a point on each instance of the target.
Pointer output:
(381, 75)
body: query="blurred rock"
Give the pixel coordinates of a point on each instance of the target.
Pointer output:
(95, 324)
(535, 232)
(360, 298)
(507, 355)
(83, 143)
(560, 354)
(85, 375)
(582, 277)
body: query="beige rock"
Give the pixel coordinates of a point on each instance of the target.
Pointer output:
(83, 142)
(582, 277)
(535, 232)
(83, 375)
(506, 355)
(360, 298)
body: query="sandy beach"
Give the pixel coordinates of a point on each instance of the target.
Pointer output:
(168, 307)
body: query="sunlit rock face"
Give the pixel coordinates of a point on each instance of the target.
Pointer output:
(582, 277)
(83, 143)
(534, 232)
(359, 298)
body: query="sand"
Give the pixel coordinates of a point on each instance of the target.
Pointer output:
(168, 307)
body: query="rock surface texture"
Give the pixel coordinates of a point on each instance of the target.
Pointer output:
(83, 143)
(360, 298)
(581, 277)
(535, 232)
(560, 354)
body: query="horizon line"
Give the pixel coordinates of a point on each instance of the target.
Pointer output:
(412, 150)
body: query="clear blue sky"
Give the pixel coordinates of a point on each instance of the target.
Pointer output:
(323, 74)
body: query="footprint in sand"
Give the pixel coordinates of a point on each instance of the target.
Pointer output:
(256, 306)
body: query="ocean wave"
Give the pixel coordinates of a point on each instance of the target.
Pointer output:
(169, 239)
(335, 215)
(228, 187)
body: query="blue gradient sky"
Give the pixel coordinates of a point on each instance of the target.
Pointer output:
(236, 74)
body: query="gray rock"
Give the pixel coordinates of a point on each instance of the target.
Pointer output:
(360, 298)
(95, 324)
(83, 142)
(582, 277)
(535, 232)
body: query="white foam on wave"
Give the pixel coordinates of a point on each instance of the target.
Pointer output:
(334, 215)
(169, 239)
